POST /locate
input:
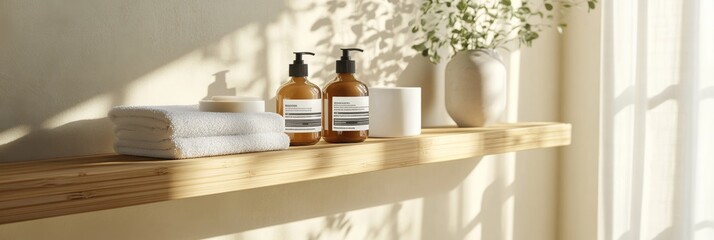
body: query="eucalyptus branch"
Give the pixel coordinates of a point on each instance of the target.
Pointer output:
(472, 24)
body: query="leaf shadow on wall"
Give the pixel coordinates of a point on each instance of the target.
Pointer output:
(378, 27)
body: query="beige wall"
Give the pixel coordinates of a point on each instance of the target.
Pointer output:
(64, 64)
(580, 105)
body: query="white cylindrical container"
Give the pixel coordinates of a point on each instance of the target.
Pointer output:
(232, 104)
(394, 111)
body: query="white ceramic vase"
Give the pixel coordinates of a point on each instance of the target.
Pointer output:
(476, 88)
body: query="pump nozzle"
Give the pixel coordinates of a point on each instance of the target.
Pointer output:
(299, 68)
(345, 64)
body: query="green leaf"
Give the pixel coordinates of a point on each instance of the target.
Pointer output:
(461, 5)
(497, 19)
(468, 18)
(419, 47)
(525, 10)
(532, 36)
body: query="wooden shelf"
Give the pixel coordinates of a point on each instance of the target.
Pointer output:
(55, 187)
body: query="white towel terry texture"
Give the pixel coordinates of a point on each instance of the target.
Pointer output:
(185, 132)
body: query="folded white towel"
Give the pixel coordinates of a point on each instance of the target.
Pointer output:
(204, 146)
(167, 122)
(146, 135)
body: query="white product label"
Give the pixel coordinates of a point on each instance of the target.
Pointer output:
(350, 113)
(302, 116)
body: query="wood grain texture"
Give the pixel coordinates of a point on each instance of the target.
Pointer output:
(55, 187)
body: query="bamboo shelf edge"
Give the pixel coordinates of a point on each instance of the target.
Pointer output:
(56, 187)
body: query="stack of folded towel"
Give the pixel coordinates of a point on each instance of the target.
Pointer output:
(185, 132)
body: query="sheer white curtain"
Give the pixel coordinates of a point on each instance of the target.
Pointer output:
(657, 116)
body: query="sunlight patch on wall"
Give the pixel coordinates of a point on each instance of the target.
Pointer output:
(251, 61)
(380, 28)
(704, 179)
(95, 107)
(514, 70)
(508, 210)
(507, 165)
(479, 212)
(280, 53)
(14, 133)
(401, 220)
(238, 54)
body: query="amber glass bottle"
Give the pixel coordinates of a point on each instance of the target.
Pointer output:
(346, 104)
(299, 102)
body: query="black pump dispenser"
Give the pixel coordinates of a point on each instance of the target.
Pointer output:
(299, 68)
(345, 64)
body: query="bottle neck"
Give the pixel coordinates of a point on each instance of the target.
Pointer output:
(299, 79)
(346, 77)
